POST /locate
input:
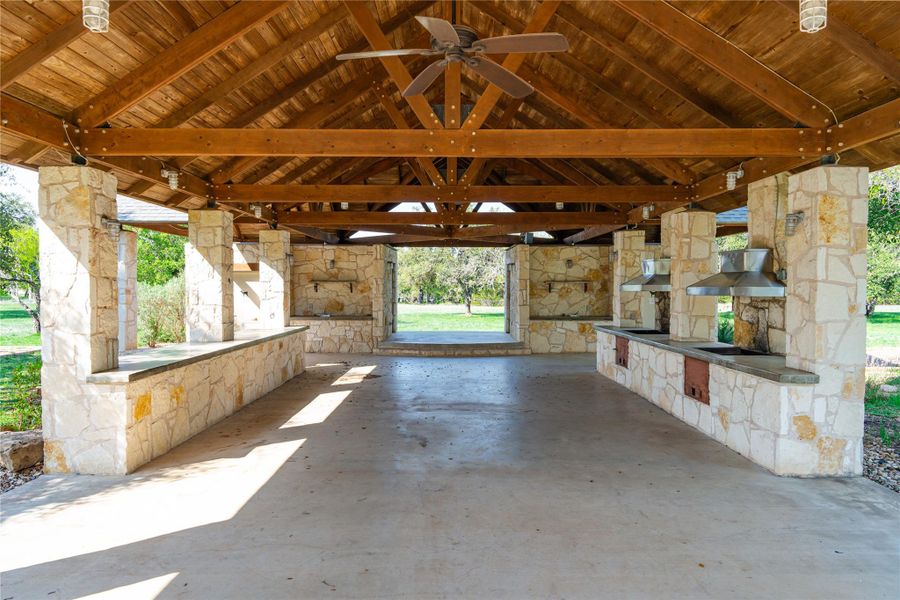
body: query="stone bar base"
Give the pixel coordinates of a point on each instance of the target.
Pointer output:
(551, 336)
(774, 424)
(158, 399)
(353, 335)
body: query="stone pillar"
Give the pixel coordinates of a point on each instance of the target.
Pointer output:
(274, 279)
(127, 290)
(518, 261)
(759, 322)
(825, 320)
(79, 318)
(208, 270)
(693, 246)
(630, 309)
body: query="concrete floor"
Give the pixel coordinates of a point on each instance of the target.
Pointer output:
(512, 477)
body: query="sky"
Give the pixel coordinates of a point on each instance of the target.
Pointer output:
(23, 182)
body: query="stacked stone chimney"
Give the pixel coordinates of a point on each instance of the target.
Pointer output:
(759, 322)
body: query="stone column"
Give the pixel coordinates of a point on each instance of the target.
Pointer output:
(208, 276)
(630, 309)
(519, 257)
(825, 320)
(127, 290)
(693, 245)
(79, 318)
(759, 322)
(274, 279)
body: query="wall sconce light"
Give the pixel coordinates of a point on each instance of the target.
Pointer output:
(172, 176)
(791, 221)
(813, 15)
(95, 15)
(331, 263)
(257, 211)
(112, 226)
(647, 211)
(731, 177)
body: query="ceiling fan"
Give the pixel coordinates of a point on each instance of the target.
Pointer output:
(458, 43)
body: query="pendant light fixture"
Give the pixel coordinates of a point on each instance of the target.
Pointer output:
(813, 15)
(95, 15)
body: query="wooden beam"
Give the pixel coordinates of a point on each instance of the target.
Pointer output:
(489, 98)
(613, 44)
(355, 219)
(550, 143)
(730, 61)
(266, 61)
(590, 233)
(426, 166)
(175, 61)
(50, 44)
(668, 168)
(369, 27)
(414, 194)
(872, 125)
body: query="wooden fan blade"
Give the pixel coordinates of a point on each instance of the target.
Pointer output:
(377, 53)
(521, 43)
(504, 79)
(440, 30)
(425, 78)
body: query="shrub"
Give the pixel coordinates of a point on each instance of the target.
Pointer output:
(22, 407)
(161, 310)
(726, 328)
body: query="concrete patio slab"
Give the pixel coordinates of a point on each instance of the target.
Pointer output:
(507, 477)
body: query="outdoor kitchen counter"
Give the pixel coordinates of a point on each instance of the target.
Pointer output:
(144, 363)
(770, 367)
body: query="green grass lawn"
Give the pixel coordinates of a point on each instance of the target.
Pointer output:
(448, 317)
(16, 327)
(883, 329)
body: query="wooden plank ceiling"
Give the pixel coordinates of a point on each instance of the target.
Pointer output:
(653, 104)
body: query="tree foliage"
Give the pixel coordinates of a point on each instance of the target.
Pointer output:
(19, 257)
(464, 275)
(160, 256)
(883, 253)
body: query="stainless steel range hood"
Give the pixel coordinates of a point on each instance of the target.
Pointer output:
(655, 277)
(745, 273)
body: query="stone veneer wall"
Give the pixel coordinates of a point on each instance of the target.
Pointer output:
(759, 322)
(518, 268)
(768, 422)
(356, 264)
(693, 245)
(79, 317)
(127, 279)
(589, 263)
(164, 410)
(208, 268)
(825, 308)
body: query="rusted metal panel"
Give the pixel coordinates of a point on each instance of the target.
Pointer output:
(622, 351)
(696, 379)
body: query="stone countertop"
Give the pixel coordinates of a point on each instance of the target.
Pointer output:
(331, 318)
(600, 318)
(144, 363)
(770, 367)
